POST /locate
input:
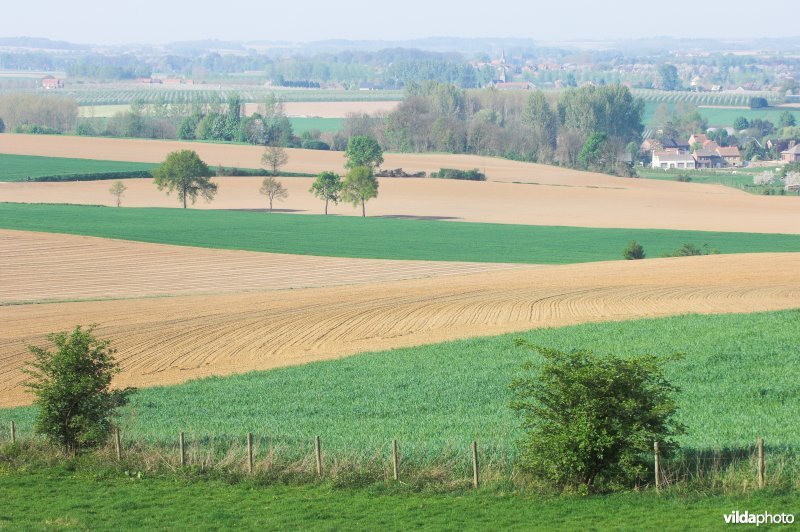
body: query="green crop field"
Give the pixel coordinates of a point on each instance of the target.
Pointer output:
(323, 125)
(718, 117)
(738, 381)
(20, 167)
(345, 236)
(57, 498)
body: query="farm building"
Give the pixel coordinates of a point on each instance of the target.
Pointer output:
(731, 156)
(792, 155)
(666, 160)
(51, 82)
(706, 158)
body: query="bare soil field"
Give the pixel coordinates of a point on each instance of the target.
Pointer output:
(43, 267)
(171, 340)
(516, 193)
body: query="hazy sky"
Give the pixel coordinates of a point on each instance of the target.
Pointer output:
(161, 21)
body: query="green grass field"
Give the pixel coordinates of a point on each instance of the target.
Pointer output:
(56, 498)
(741, 178)
(20, 167)
(343, 236)
(723, 117)
(738, 381)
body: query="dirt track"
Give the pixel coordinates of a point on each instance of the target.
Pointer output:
(547, 196)
(50, 267)
(170, 340)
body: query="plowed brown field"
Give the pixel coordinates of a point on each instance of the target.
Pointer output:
(543, 195)
(170, 340)
(48, 267)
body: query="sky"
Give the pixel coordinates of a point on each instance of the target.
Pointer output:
(163, 21)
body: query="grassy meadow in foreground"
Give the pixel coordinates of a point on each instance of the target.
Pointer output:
(57, 498)
(739, 379)
(20, 167)
(385, 238)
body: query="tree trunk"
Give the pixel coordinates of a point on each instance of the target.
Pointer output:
(184, 198)
(363, 209)
(270, 205)
(326, 206)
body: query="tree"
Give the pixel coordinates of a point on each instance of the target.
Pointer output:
(2, 126)
(117, 190)
(591, 155)
(740, 123)
(359, 186)
(634, 251)
(758, 103)
(787, 119)
(273, 190)
(668, 77)
(71, 386)
(363, 151)
(589, 420)
(328, 187)
(274, 157)
(185, 172)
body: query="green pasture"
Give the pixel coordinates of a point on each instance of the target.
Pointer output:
(20, 167)
(386, 238)
(57, 498)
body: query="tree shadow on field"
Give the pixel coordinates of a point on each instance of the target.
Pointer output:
(413, 217)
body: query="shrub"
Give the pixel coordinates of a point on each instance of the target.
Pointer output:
(71, 388)
(99, 176)
(634, 251)
(32, 129)
(467, 175)
(758, 103)
(2, 126)
(312, 144)
(691, 250)
(683, 178)
(590, 421)
(84, 129)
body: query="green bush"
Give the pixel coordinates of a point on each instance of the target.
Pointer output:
(71, 386)
(467, 175)
(32, 129)
(98, 176)
(692, 250)
(84, 129)
(634, 251)
(590, 421)
(313, 144)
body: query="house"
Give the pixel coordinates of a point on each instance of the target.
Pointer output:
(792, 155)
(513, 85)
(666, 160)
(731, 156)
(50, 82)
(650, 145)
(671, 145)
(706, 158)
(698, 138)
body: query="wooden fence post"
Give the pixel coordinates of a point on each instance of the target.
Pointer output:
(318, 453)
(475, 480)
(13, 433)
(182, 449)
(117, 444)
(395, 460)
(657, 461)
(761, 463)
(250, 452)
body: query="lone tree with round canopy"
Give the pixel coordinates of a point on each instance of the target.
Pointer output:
(363, 151)
(359, 186)
(185, 172)
(328, 186)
